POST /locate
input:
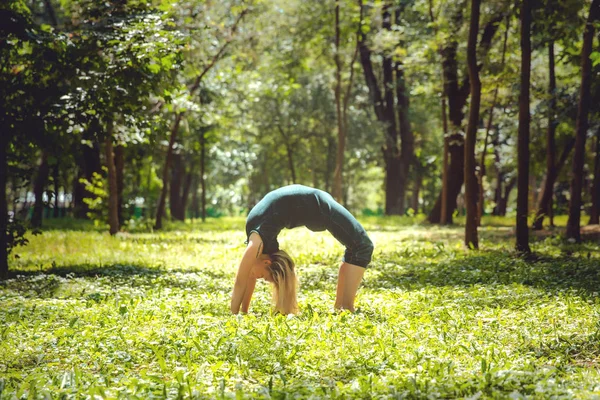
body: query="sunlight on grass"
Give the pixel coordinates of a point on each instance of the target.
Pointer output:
(145, 315)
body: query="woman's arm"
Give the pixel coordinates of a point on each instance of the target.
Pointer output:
(244, 282)
(248, 293)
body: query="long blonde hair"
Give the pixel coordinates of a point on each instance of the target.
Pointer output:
(285, 297)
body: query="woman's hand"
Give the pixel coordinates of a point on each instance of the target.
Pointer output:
(244, 280)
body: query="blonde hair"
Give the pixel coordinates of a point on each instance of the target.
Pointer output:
(285, 297)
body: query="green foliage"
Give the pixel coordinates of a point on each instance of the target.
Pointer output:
(97, 204)
(146, 315)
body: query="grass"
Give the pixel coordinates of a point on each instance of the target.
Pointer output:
(145, 315)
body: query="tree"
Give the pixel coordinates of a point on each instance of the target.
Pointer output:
(32, 62)
(130, 51)
(457, 92)
(398, 148)
(342, 101)
(573, 223)
(545, 204)
(522, 243)
(471, 239)
(160, 210)
(488, 129)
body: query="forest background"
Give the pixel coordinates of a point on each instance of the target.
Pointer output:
(131, 112)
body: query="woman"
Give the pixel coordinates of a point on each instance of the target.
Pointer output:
(290, 207)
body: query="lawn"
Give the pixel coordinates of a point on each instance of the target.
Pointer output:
(146, 315)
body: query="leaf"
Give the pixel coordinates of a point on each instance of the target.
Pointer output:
(595, 57)
(154, 68)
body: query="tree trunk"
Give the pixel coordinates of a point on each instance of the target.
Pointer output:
(522, 242)
(3, 205)
(482, 169)
(441, 213)
(385, 113)
(395, 193)
(508, 188)
(574, 221)
(160, 211)
(394, 200)
(498, 193)
(195, 202)
(55, 179)
(471, 237)
(41, 180)
(415, 194)
(595, 210)
(328, 167)
(454, 138)
(341, 131)
(119, 151)
(290, 157)
(187, 186)
(545, 202)
(443, 207)
(177, 175)
(407, 139)
(89, 163)
(113, 193)
(457, 98)
(202, 174)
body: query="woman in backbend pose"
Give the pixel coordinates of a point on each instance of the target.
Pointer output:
(290, 207)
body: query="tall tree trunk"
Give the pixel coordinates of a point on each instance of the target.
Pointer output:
(341, 129)
(574, 221)
(471, 237)
(203, 173)
(119, 151)
(395, 191)
(187, 186)
(177, 175)
(595, 210)
(195, 202)
(482, 169)
(385, 112)
(443, 217)
(454, 141)
(341, 102)
(55, 180)
(3, 205)
(441, 212)
(113, 193)
(160, 211)
(407, 139)
(41, 180)
(457, 98)
(522, 242)
(545, 203)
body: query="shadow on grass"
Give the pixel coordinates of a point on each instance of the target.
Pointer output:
(579, 350)
(490, 268)
(91, 270)
(45, 283)
(389, 270)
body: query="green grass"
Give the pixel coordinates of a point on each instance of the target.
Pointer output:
(145, 315)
